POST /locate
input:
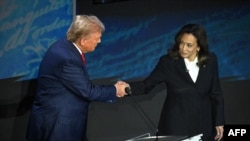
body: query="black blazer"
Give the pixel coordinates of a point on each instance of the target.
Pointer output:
(190, 108)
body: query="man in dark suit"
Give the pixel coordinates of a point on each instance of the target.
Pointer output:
(60, 108)
(194, 104)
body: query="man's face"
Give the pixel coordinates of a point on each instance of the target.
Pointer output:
(89, 44)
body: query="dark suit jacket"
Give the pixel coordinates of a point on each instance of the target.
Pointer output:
(60, 108)
(190, 108)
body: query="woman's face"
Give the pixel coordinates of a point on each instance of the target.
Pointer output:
(188, 47)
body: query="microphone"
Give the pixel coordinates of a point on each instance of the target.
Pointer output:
(146, 118)
(128, 90)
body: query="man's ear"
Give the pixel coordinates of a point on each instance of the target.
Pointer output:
(82, 41)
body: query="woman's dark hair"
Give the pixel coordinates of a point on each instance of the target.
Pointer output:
(200, 34)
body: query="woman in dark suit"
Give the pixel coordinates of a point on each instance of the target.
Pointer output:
(194, 103)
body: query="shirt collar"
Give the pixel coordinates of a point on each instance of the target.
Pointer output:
(77, 48)
(191, 62)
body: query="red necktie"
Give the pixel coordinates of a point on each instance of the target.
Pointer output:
(83, 59)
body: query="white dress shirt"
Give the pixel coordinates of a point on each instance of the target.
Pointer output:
(192, 68)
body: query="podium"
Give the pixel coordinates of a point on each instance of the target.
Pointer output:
(147, 137)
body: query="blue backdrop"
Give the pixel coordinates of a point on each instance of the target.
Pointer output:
(27, 29)
(131, 45)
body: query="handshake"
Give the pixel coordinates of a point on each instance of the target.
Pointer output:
(121, 87)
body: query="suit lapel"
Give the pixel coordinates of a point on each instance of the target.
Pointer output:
(201, 74)
(181, 67)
